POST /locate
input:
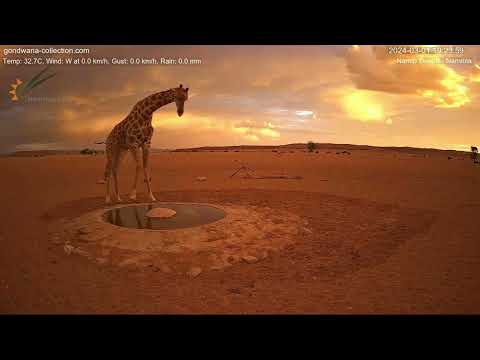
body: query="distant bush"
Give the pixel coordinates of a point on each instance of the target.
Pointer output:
(311, 146)
(88, 152)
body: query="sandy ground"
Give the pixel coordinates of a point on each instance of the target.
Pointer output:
(392, 233)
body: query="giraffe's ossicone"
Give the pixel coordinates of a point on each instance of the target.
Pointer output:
(134, 133)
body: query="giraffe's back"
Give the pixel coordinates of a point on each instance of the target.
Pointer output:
(134, 130)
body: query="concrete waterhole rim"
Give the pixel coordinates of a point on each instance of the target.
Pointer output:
(245, 234)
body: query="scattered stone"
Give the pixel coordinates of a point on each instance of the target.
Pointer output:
(83, 231)
(194, 271)
(249, 259)
(308, 230)
(79, 252)
(161, 213)
(127, 262)
(201, 178)
(234, 290)
(101, 261)
(68, 249)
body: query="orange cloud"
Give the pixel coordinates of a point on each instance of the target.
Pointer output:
(252, 132)
(373, 68)
(475, 75)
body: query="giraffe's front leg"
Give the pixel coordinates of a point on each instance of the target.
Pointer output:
(107, 176)
(146, 170)
(108, 200)
(136, 158)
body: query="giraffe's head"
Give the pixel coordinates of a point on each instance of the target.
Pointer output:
(181, 95)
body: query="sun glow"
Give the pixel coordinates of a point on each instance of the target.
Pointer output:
(360, 105)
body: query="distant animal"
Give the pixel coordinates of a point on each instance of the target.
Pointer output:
(134, 133)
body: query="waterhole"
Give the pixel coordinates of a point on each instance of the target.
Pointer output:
(186, 215)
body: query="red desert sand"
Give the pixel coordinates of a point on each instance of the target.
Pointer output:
(387, 231)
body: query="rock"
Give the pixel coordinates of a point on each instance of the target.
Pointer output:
(307, 230)
(127, 262)
(161, 213)
(68, 249)
(79, 252)
(101, 261)
(83, 231)
(201, 178)
(194, 271)
(235, 291)
(249, 259)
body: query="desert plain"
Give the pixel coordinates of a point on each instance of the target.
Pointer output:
(390, 231)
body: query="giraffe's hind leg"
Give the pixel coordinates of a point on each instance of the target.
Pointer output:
(146, 170)
(117, 158)
(108, 176)
(136, 159)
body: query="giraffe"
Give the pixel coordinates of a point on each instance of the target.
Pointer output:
(134, 133)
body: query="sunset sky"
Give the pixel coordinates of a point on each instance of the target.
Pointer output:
(247, 95)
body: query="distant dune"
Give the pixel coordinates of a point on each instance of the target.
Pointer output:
(318, 146)
(287, 147)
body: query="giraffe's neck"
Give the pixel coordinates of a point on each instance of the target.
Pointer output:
(153, 102)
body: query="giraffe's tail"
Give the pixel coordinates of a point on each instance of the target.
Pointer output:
(107, 166)
(107, 172)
